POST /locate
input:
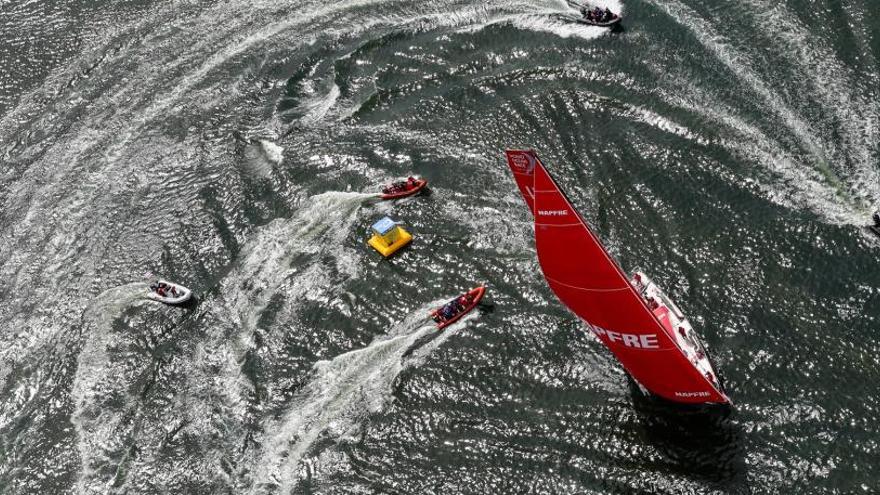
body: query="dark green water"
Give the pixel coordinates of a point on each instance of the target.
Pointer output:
(729, 149)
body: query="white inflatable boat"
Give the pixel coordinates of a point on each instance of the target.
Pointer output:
(168, 292)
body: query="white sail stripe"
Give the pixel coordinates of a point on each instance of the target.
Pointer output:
(592, 236)
(585, 288)
(558, 224)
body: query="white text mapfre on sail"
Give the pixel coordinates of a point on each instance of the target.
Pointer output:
(553, 213)
(643, 341)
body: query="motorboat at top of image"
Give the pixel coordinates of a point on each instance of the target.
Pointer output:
(403, 188)
(168, 292)
(453, 310)
(595, 15)
(636, 320)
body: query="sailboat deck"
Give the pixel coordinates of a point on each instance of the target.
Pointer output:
(675, 323)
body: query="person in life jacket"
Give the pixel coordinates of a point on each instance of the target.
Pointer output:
(637, 282)
(687, 337)
(399, 186)
(448, 310)
(462, 302)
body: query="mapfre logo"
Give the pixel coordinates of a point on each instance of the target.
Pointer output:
(552, 213)
(643, 341)
(692, 394)
(522, 161)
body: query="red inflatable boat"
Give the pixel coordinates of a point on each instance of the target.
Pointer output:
(452, 311)
(404, 188)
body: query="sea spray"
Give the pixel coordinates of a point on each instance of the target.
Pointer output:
(819, 186)
(341, 394)
(272, 151)
(321, 225)
(282, 265)
(316, 109)
(99, 381)
(261, 156)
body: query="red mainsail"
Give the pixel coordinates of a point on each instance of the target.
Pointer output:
(587, 280)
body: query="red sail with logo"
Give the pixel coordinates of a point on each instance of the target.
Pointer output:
(587, 280)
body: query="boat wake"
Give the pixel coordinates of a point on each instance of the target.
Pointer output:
(322, 225)
(560, 25)
(557, 20)
(101, 387)
(171, 139)
(838, 183)
(285, 263)
(342, 393)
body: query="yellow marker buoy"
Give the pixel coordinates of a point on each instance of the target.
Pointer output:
(388, 237)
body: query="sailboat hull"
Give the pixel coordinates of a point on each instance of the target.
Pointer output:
(585, 278)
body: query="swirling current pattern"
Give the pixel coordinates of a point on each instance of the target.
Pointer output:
(730, 149)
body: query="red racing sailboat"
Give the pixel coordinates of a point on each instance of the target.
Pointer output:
(632, 316)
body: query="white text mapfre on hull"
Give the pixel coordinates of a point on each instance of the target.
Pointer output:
(583, 275)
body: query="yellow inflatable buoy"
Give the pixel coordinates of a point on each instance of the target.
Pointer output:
(388, 237)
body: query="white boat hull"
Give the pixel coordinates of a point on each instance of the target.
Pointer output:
(683, 333)
(183, 294)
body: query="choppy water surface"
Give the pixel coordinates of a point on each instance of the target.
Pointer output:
(730, 149)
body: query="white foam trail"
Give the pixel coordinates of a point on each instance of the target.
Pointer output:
(737, 65)
(614, 5)
(547, 20)
(665, 124)
(321, 225)
(832, 81)
(264, 270)
(342, 393)
(316, 110)
(261, 155)
(821, 179)
(559, 27)
(273, 152)
(97, 381)
(219, 57)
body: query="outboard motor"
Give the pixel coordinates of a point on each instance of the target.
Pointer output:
(877, 218)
